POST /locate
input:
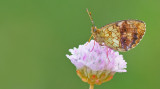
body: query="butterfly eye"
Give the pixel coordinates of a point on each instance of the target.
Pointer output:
(94, 29)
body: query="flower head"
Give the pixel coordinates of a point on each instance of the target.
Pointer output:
(96, 65)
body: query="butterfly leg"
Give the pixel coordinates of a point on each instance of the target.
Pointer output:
(93, 46)
(89, 39)
(107, 54)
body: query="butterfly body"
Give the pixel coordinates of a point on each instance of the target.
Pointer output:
(121, 36)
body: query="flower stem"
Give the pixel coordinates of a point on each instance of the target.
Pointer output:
(91, 86)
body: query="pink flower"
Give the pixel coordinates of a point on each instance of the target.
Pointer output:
(96, 65)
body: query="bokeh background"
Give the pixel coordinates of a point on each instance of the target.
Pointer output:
(35, 36)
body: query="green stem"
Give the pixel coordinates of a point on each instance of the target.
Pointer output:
(91, 86)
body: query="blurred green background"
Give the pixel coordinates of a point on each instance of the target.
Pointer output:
(35, 36)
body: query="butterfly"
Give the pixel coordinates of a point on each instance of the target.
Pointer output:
(121, 35)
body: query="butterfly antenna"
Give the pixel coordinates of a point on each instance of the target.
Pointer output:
(90, 16)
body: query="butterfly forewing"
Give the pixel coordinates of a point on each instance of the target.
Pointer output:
(122, 35)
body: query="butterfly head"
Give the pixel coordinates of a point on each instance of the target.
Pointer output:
(94, 29)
